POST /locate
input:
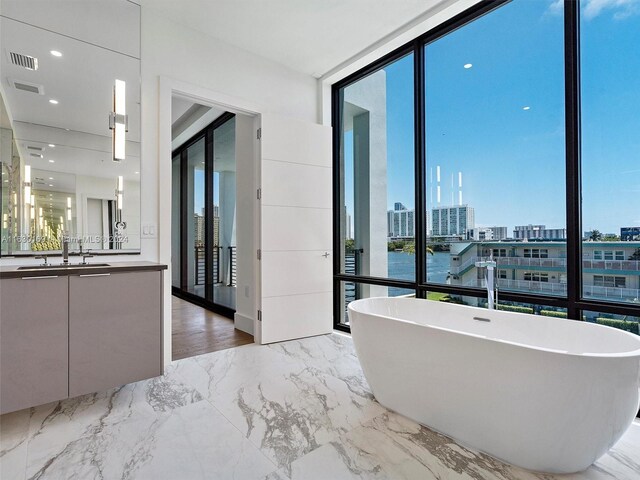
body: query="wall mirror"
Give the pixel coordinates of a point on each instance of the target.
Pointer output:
(70, 126)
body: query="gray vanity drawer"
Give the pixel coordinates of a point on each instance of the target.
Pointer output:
(115, 325)
(33, 341)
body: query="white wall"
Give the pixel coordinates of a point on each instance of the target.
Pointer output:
(172, 51)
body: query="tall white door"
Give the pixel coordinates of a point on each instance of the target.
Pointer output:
(296, 229)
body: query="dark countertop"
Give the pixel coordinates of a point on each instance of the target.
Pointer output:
(11, 271)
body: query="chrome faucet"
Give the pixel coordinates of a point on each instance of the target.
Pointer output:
(65, 248)
(492, 290)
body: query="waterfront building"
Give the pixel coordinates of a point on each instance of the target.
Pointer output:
(611, 270)
(452, 221)
(539, 232)
(401, 222)
(482, 234)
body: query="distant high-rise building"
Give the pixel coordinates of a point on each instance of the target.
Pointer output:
(452, 221)
(401, 222)
(630, 234)
(198, 226)
(349, 232)
(532, 232)
(487, 233)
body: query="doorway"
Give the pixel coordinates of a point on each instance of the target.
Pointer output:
(204, 256)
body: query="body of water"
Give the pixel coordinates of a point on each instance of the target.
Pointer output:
(402, 266)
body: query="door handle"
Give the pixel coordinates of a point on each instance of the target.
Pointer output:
(95, 275)
(326, 254)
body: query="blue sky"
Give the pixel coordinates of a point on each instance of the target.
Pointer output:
(512, 159)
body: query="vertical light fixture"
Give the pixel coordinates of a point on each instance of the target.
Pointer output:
(118, 120)
(69, 208)
(32, 216)
(27, 184)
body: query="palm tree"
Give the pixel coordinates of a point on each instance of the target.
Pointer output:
(595, 235)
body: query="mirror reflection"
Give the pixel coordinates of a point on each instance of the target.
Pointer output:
(70, 126)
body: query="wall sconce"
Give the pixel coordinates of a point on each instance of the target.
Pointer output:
(119, 121)
(27, 184)
(69, 208)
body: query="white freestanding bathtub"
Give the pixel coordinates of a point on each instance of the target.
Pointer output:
(546, 394)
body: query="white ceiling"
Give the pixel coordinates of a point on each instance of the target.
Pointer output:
(310, 36)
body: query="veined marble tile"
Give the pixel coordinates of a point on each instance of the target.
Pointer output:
(14, 435)
(197, 442)
(394, 447)
(280, 399)
(79, 431)
(317, 350)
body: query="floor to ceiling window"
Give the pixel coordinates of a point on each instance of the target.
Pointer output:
(377, 226)
(610, 101)
(477, 130)
(204, 217)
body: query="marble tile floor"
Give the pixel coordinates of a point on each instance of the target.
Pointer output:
(294, 410)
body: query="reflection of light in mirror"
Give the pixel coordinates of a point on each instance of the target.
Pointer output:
(119, 120)
(27, 183)
(120, 191)
(69, 208)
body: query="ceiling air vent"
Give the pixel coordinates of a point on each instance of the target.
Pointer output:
(27, 86)
(25, 61)
(34, 148)
(37, 155)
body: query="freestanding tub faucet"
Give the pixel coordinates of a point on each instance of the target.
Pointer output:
(490, 267)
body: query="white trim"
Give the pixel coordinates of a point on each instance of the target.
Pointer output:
(168, 87)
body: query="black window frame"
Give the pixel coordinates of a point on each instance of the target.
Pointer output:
(206, 133)
(574, 302)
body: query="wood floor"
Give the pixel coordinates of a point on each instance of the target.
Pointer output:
(196, 330)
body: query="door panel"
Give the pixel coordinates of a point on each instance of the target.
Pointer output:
(295, 272)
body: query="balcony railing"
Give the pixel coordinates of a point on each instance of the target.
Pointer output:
(614, 265)
(633, 265)
(557, 288)
(199, 270)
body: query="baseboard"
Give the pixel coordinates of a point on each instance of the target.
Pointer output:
(243, 323)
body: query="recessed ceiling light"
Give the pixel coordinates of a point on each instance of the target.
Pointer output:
(526, 108)
(133, 172)
(468, 65)
(56, 53)
(50, 178)
(52, 145)
(53, 102)
(51, 184)
(52, 161)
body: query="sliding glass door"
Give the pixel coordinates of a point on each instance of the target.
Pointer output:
(203, 217)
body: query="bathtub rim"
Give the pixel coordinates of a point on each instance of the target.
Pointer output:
(631, 353)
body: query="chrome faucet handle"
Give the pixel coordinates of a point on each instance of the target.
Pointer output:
(42, 257)
(85, 256)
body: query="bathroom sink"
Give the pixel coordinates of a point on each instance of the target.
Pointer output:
(68, 265)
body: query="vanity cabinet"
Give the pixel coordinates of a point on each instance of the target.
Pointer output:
(34, 341)
(72, 330)
(115, 331)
